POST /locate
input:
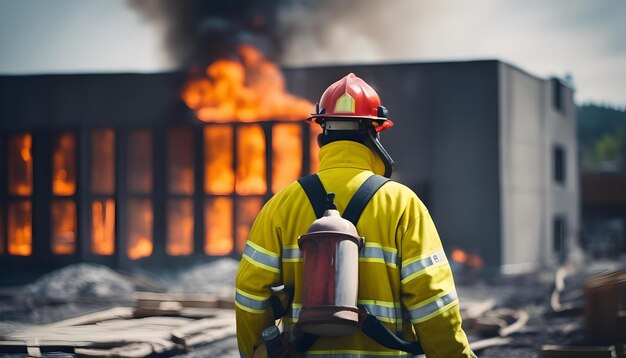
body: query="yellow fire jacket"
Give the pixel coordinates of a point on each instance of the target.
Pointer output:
(404, 276)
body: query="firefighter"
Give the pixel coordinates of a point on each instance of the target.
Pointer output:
(404, 276)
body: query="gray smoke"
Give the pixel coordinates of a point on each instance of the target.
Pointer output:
(199, 31)
(327, 31)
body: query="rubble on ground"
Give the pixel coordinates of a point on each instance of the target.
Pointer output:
(214, 277)
(79, 281)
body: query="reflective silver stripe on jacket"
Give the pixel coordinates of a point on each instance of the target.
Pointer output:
(414, 268)
(261, 257)
(422, 312)
(376, 253)
(292, 253)
(249, 302)
(388, 312)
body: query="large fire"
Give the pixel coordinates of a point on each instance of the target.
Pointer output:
(249, 89)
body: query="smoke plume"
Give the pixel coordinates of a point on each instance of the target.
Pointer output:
(200, 31)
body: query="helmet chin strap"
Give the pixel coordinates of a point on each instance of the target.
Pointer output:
(359, 130)
(382, 153)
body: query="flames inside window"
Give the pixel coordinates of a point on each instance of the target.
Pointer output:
(179, 227)
(250, 160)
(20, 227)
(103, 227)
(20, 184)
(218, 225)
(139, 188)
(180, 158)
(103, 185)
(20, 163)
(63, 221)
(139, 228)
(139, 162)
(103, 161)
(219, 176)
(64, 165)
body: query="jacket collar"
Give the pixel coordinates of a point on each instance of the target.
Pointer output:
(349, 154)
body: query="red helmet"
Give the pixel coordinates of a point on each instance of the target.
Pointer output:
(351, 98)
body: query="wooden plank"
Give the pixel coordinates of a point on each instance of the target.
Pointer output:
(200, 300)
(191, 312)
(210, 336)
(133, 350)
(118, 332)
(489, 342)
(180, 334)
(117, 312)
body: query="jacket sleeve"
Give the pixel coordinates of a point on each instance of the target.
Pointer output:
(428, 291)
(259, 270)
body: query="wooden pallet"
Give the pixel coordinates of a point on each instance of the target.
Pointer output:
(159, 325)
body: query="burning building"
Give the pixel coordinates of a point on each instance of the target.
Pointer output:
(150, 169)
(121, 169)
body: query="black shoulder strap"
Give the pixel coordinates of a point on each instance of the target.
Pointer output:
(316, 193)
(363, 196)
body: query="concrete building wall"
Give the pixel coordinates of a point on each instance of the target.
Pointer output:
(523, 157)
(531, 127)
(563, 199)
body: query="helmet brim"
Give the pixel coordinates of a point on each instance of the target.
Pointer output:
(383, 124)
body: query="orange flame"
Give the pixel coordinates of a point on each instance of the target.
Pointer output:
(64, 165)
(180, 156)
(180, 227)
(249, 90)
(470, 260)
(218, 226)
(20, 228)
(63, 227)
(139, 228)
(251, 164)
(475, 261)
(103, 161)
(459, 256)
(103, 227)
(218, 159)
(20, 163)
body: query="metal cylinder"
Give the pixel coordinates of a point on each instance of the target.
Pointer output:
(331, 276)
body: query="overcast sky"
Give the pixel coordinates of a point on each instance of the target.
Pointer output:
(585, 38)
